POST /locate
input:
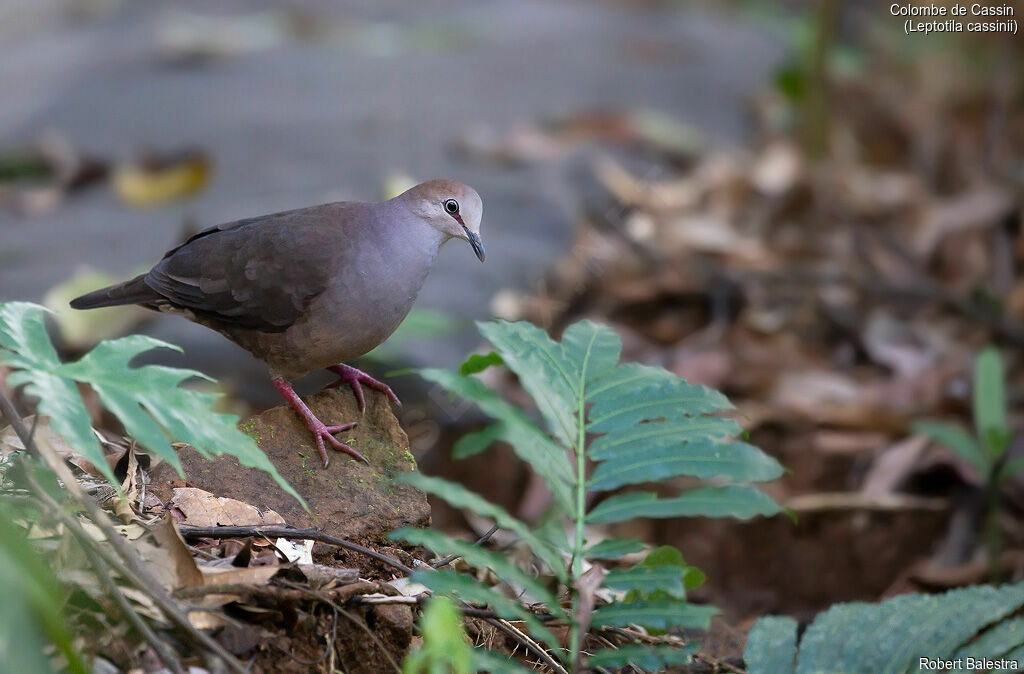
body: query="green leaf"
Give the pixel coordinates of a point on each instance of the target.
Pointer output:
(469, 589)
(614, 548)
(634, 438)
(593, 348)
(665, 555)
(24, 336)
(502, 566)
(633, 393)
(995, 642)
(666, 578)
(529, 442)
(889, 636)
(664, 458)
(958, 441)
(990, 401)
(474, 443)
(25, 346)
(771, 646)
(148, 400)
(732, 501)
(446, 647)
(543, 369)
(479, 362)
(647, 658)
(662, 615)
(460, 497)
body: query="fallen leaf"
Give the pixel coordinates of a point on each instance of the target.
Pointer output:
(202, 509)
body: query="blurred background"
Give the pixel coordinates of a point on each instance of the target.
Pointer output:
(794, 202)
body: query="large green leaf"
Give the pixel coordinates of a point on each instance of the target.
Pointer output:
(647, 658)
(633, 393)
(543, 369)
(502, 565)
(149, 400)
(893, 635)
(468, 589)
(529, 442)
(663, 458)
(732, 501)
(633, 438)
(990, 401)
(140, 396)
(661, 615)
(460, 497)
(25, 346)
(958, 441)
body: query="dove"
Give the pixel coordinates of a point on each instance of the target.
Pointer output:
(311, 288)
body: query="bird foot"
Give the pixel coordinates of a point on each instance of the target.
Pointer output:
(356, 378)
(322, 433)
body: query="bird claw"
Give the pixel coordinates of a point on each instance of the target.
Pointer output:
(323, 433)
(356, 378)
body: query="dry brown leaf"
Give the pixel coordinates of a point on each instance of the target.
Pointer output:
(202, 509)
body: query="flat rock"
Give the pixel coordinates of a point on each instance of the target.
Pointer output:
(348, 499)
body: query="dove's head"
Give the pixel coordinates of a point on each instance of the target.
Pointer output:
(451, 208)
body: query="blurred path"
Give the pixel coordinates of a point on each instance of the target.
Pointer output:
(305, 121)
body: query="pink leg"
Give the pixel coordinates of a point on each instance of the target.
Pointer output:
(320, 431)
(356, 378)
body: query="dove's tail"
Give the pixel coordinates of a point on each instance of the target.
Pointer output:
(130, 292)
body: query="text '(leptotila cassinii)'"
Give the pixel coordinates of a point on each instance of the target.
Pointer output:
(311, 288)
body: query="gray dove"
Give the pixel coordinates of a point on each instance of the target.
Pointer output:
(311, 288)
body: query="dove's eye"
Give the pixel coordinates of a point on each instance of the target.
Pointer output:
(451, 206)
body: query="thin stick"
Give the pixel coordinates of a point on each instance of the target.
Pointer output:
(286, 532)
(530, 645)
(14, 419)
(451, 558)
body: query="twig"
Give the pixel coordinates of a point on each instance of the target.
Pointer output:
(286, 532)
(130, 567)
(14, 419)
(530, 645)
(451, 558)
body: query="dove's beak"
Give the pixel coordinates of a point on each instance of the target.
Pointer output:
(478, 246)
